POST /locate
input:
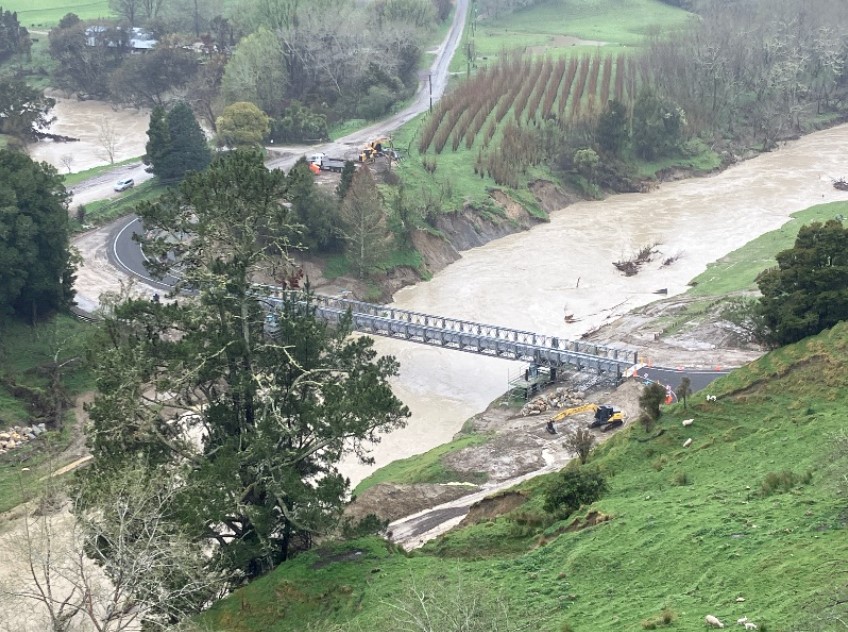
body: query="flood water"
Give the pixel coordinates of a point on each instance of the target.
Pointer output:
(90, 121)
(530, 280)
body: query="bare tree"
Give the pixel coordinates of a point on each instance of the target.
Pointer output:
(151, 8)
(126, 9)
(67, 160)
(581, 441)
(107, 136)
(112, 569)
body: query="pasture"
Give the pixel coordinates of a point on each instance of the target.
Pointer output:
(43, 15)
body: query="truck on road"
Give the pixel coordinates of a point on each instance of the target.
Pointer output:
(325, 163)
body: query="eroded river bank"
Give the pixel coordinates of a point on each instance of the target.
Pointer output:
(531, 280)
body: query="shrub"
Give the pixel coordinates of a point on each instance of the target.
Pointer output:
(666, 617)
(650, 400)
(783, 481)
(681, 478)
(376, 102)
(573, 488)
(580, 441)
(369, 525)
(299, 124)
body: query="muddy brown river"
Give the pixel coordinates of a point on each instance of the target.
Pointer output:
(531, 280)
(90, 121)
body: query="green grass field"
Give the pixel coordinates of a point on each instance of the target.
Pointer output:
(552, 28)
(752, 510)
(72, 179)
(424, 468)
(45, 14)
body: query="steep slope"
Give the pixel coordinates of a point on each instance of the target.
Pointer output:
(749, 520)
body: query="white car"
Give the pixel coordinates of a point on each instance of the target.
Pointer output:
(123, 185)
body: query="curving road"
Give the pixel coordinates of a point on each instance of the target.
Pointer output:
(125, 254)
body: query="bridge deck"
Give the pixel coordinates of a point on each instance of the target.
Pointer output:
(451, 333)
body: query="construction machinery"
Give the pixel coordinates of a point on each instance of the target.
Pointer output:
(374, 149)
(606, 416)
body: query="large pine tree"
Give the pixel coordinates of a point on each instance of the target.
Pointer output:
(158, 140)
(268, 418)
(176, 144)
(36, 273)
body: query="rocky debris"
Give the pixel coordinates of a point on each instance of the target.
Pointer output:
(560, 398)
(16, 436)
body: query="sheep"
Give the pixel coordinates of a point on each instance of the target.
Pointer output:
(742, 621)
(713, 622)
(750, 625)
(711, 398)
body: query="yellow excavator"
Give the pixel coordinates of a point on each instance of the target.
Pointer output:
(374, 149)
(606, 417)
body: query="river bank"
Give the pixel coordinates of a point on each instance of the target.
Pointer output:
(533, 279)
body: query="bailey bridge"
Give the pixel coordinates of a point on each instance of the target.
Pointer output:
(462, 335)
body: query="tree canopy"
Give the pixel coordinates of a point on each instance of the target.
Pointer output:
(658, 125)
(808, 290)
(254, 423)
(14, 38)
(242, 125)
(176, 144)
(35, 259)
(23, 109)
(364, 223)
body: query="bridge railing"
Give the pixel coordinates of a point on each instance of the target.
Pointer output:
(528, 339)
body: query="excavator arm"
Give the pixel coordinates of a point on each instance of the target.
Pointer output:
(606, 417)
(575, 410)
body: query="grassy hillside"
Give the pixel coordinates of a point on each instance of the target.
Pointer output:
(752, 510)
(739, 269)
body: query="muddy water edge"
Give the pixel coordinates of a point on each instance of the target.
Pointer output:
(92, 122)
(530, 280)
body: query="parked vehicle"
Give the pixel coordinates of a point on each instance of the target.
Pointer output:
(123, 185)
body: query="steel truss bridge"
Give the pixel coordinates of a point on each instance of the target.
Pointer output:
(462, 335)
